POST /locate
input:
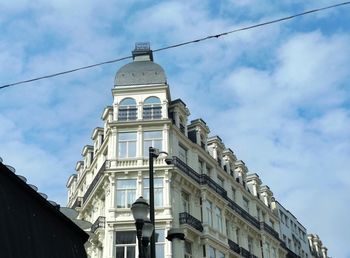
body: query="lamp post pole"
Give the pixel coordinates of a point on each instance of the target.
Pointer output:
(152, 155)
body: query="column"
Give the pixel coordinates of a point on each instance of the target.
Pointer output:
(165, 109)
(140, 110)
(113, 147)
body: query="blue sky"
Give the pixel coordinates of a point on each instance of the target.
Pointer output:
(277, 95)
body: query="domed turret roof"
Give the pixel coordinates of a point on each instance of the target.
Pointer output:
(142, 71)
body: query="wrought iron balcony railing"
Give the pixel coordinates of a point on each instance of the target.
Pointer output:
(99, 174)
(269, 230)
(77, 203)
(99, 223)
(245, 253)
(186, 218)
(234, 206)
(234, 246)
(204, 179)
(186, 169)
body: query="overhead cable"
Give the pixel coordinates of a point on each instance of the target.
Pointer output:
(180, 44)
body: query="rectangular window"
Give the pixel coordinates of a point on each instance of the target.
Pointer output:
(246, 204)
(258, 211)
(153, 111)
(183, 154)
(188, 249)
(160, 242)
(185, 199)
(200, 167)
(250, 244)
(267, 250)
(233, 194)
(238, 235)
(152, 139)
(221, 255)
(158, 191)
(127, 145)
(218, 220)
(126, 192)
(221, 181)
(211, 252)
(209, 208)
(125, 244)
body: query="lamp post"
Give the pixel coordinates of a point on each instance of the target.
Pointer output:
(153, 153)
(144, 228)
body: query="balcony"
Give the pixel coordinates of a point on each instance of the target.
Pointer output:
(204, 179)
(234, 206)
(99, 174)
(233, 246)
(269, 230)
(245, 253)
(182, 128)
(99, 223)
(77, 203)
(186, 218)
(186, 169)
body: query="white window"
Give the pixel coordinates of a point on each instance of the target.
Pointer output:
(250, 244)
(126, 192)
(246, 204)
(185, 199)
(267, 251)
(152, 139)
(158, 191)
(233, 194)
(127, 145)
(200, 167)
(160, 242)
(238, 235)
(258, 211)
(273, 252)
(209, 208)
(152, 108)
(211, 252)
(218, 220)
(183, 154)
(125, 244)
(221, 181)
(188, 249)
(221, 255)
(127, 110)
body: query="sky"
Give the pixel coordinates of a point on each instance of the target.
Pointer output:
(278, 96)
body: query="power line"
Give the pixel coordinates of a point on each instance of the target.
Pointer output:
(180, 44)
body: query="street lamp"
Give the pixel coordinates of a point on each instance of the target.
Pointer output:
(147, 231)
(153, 154)
(140, 210)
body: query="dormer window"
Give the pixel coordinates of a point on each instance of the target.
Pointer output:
(127, 110)
(202, 141)
(152, 108)
(182, 125)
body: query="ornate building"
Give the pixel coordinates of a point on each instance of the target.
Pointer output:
(206, 193)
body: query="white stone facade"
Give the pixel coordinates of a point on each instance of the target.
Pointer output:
(209, 195)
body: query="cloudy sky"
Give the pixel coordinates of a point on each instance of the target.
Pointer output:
(277, 95)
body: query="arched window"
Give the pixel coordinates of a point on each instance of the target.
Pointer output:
(127, 110)
(152, 108)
